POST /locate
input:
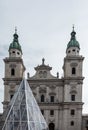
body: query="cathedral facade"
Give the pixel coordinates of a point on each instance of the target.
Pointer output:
(60, 99)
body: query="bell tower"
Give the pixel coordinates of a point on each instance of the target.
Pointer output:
(73, 60)
(14, 70)
(73, 80)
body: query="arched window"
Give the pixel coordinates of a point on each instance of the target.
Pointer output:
(51, 126)
(72, 112)
(72, 123)
(13, 51)
(11, 96)
(51, 112)
(69, 51)
(73, 70)
(42, 98)
(42, 111)
(12, 72)
(72, 97)
(51, 98)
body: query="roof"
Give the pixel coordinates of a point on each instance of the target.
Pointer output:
(73, 42)
(15, 44)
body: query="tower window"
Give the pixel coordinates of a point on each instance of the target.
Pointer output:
(73, 50)
(13, 51)
(72, 112)
(86, 122)
(11, 96)
(72, 97)
(18, 53)
(51, 112)
(73, 70)
(69, 51)
(51, 98)
(12, 72)
(72, 123)
(78, 51)
(42, 111)
(42, 98)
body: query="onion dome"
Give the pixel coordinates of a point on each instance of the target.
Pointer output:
(15, 44)
(73, 42)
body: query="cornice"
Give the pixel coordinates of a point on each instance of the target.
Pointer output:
(74, 58)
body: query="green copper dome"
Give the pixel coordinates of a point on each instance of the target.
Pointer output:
(73, 42)
(15, 44)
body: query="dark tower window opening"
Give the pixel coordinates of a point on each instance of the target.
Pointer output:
(11, 96)
(72, 123)
(86, 122)
(51, 126)
(42, 98)
(73, 70)
(18, 53)
(42, 111)
(69, 51)
(12, 72)
(13, 51)
(51, 98)
(73, 97)
(73, 50)
(78, 51)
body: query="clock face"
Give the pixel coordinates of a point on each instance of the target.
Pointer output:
(42, 74)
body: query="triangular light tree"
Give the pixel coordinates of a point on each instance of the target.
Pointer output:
(24, 112)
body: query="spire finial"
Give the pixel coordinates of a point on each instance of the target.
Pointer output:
(73, 27)
(73, 33)
(43, 60)
(15, 35)
(15, 30)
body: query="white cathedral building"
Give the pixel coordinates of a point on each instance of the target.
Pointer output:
(60, 99)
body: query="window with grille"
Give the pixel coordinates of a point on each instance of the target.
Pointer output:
(72, 97)
(72, 112)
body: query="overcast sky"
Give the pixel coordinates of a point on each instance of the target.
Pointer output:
(44, 28)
